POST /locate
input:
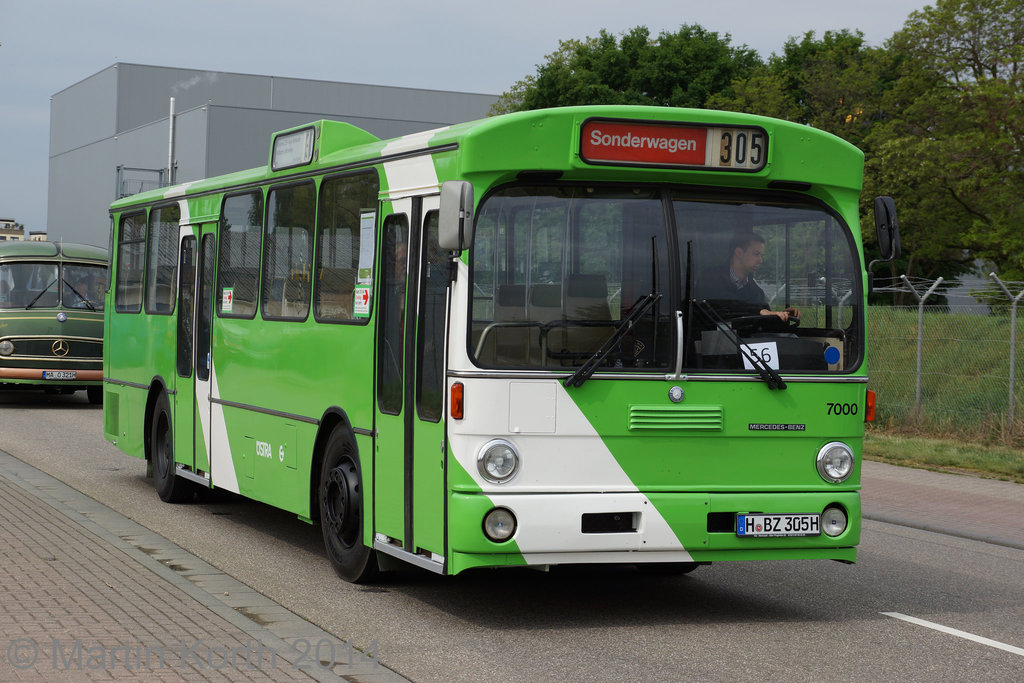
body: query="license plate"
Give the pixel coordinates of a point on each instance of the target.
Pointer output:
(60, 374)
(778, 525)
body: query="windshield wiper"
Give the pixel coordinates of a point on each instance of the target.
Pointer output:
(79, 295)
(767, 373)
(590, 366)
(40, 295)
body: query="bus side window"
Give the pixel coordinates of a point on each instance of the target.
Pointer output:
(131, 251)
(162, 259)
(238, 265)
(288, 252)
(342, 245)
(430, 336)
(391, 342)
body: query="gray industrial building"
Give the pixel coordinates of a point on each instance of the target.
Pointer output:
(111, 134)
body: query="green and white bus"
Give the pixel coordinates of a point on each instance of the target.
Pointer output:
(492, 344)
(51, 317)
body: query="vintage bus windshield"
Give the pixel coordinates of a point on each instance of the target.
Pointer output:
(50, 284)
(556, 268)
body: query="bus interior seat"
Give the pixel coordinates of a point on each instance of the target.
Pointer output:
(335, 293)
(545, 303)
(510, 303)
(586, 298)
(295, 301)
(545, 306)
(510, 345)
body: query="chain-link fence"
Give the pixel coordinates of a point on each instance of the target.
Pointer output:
(947, 361)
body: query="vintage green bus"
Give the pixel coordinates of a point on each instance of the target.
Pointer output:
(51, 317)
(495, 343)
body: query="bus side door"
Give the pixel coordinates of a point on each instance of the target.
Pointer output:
(409, 466)
(194, 308)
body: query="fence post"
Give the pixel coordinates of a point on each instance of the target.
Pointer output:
(1014, 300)
(920, 335)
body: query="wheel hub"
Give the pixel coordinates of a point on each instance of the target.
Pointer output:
(341, 505)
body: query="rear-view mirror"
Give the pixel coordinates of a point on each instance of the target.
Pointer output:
(455, 229)
(887, 228)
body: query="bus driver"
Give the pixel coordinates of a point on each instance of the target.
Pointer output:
(734, 284)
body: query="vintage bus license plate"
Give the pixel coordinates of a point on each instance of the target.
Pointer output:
(60, 374)
(778, 525)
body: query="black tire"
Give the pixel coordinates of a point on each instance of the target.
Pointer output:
(95, 395)
(171, 489)
(340, 494)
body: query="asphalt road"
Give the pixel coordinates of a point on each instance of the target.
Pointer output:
(811, 620)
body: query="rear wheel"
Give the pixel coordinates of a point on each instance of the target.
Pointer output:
(172, 489)
(341, 511)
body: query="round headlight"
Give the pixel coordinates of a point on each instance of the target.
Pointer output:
(833, 521)
(499, 524)
(498, 461)
(835, 462)
(6, 347)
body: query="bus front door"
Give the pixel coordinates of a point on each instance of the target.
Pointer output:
(409, 466)
(204, 322)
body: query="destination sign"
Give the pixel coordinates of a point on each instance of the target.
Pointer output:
(292, 149)
(686, 145)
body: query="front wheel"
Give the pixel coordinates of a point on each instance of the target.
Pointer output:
(341, 511)
(171, 488)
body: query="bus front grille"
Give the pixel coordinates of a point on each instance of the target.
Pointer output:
(689, 418)
(56, 347)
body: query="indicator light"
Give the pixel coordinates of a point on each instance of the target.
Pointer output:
(456, 407)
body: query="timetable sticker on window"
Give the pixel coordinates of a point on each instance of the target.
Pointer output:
(361, 302)
(367, 222)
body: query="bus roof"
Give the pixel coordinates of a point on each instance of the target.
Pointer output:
(66, 250)
(536, 140)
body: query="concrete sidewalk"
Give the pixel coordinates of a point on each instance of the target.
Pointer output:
(87, 594)
(953, 504)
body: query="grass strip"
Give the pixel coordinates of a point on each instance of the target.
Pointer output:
(995, 462)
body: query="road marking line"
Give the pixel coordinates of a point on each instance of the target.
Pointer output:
(955, 632)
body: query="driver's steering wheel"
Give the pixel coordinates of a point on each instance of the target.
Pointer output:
(749, 324)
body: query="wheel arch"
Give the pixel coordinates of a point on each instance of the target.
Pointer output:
(157, 387)
(333, 418)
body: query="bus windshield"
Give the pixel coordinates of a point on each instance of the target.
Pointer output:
(554, 269)
(41, 285)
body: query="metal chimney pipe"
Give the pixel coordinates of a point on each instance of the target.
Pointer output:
(170, 146)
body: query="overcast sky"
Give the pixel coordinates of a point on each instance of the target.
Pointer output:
(482, 47)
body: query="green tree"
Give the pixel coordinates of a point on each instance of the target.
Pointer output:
(954, 149)
(681, 69)
(835, 84)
